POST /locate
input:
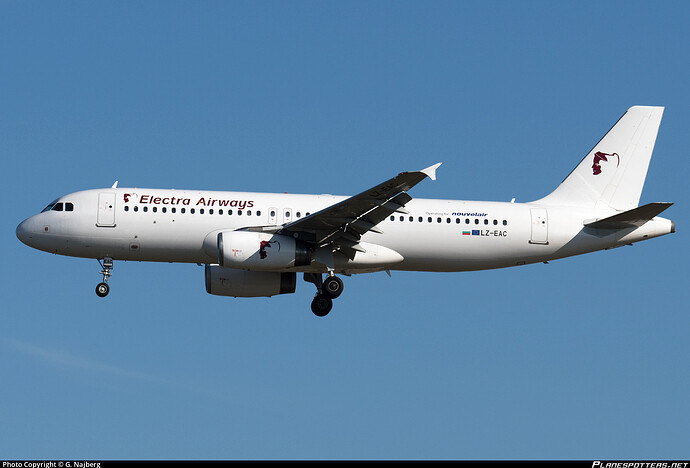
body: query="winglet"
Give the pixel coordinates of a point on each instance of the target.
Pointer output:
(115, 184)
(431, 171)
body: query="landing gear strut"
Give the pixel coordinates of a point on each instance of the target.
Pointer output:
(326, 291)
(103, 289)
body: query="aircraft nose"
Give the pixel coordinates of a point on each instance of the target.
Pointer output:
(24, 232)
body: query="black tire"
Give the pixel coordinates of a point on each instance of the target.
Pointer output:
(102, 289)
(333, 287)
(321, 305)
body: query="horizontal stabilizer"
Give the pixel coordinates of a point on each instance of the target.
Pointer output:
(631, 218)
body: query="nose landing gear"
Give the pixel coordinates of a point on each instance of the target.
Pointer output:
(326, 291)
(102, 289)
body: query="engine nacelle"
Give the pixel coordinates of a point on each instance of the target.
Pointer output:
(242, 283)
(261, 251)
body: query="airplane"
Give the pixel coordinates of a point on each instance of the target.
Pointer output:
(255, 244)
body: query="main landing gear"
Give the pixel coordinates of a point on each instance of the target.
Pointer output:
(103, 289)
(326, 291)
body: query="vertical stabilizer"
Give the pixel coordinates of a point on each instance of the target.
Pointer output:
(613, 172)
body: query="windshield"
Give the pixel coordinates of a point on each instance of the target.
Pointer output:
(50, 206)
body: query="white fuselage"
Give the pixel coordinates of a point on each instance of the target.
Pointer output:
(254, 244)
(434, 235)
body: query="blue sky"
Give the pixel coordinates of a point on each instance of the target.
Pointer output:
(581, 358)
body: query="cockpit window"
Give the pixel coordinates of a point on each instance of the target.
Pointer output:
(59, 206)
(49, 207)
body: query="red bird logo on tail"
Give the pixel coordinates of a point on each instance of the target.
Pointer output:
(598, 157)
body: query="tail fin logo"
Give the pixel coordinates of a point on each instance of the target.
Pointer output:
(598, 157)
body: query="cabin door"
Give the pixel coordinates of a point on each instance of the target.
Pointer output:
(540, 226)
(106, 209)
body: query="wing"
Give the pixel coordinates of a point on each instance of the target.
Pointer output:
(342, 225)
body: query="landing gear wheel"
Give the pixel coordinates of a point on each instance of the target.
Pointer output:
(321, 305)
(102, 289)
(333, 286)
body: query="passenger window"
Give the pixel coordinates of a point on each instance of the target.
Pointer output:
(448, 220)
(486, 221)
(164, 209)
(505, 223)
(392, 218)
(249, 212)
(239, 212)
(438, 220)
(229, 212)
(220, 212)
(411, 219)
(182, 210)
(154, 209)
(476, 221)
(258, 213)
(136, 208)
(146, 208)
(467, 220)
(429, 219)
(298, 214)
(126, 208)
(210, 211)
(402, 218)
(420, 219)
(173, 210)
(191, 210)
(495, 222)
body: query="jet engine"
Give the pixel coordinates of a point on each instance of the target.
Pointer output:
(242, 283)
(261, 251)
